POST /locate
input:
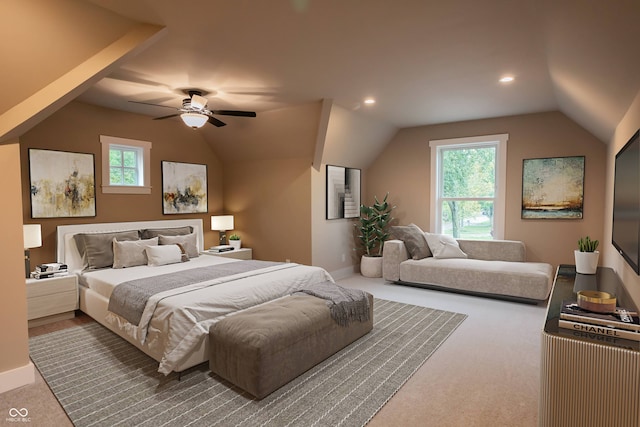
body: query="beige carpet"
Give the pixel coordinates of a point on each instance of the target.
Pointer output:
(486, 374)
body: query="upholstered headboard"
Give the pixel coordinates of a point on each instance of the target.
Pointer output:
(67, 251)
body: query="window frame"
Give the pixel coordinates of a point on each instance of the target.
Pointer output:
(500, 142)
(144, 165)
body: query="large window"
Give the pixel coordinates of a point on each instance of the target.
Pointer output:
(467, 186)
(125, 165)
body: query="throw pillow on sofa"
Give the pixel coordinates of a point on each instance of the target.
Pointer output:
(444, 246)
(413, 238)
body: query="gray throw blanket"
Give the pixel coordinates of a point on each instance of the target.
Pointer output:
(129, 299)
(345, 305)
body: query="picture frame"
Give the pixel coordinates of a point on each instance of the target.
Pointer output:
(343, 192)
(62, 184)
(184, 188)
(553, 188)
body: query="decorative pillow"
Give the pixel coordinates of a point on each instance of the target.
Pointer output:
(131, 253)
(444, 246)
(413, 238)
(188, 242)
(163, 255)
(96, 249)
(175, 231)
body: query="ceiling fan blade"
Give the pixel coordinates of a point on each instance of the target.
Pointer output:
(166, 117)
(155, 105)
(234, 113)
(216, 122)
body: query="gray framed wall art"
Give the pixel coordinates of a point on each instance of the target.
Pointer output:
(343, 192)
(184, 188)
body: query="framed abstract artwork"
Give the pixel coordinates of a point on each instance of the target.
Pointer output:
(343, 192)
(184, 188)
(553, 188)
(62, 184)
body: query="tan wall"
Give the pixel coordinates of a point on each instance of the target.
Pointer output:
(271, 204)
(77, 127)
(13, 303)
(403, 169)
(626, 128)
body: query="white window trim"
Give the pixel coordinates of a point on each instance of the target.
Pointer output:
(106, 142)
(501, 173)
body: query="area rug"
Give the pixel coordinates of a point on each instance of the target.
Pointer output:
(101, 380)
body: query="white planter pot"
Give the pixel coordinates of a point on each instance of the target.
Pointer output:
(371, 266)
(237, 244)
(586, 262)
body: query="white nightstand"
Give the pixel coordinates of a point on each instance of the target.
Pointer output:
(242, 253)
(50, 300)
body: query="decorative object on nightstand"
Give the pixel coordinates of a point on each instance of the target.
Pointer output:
(222, 223)
(235, 241)
(32, 236)
(587, 256)
(51, 299)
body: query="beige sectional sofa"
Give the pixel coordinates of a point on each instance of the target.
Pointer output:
(494, 268)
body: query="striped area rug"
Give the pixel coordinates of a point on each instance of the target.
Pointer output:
(101, 380)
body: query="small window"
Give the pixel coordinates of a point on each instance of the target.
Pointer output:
(125, 165)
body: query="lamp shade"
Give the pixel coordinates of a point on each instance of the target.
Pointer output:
(194, 120)
(32, 235)
(222, 222)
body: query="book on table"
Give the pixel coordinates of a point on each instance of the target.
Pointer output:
(622, 318)
(600, 330)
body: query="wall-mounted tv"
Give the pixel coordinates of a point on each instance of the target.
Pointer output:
(626, 203)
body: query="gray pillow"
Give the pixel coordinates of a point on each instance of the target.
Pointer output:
(188, 242)
(414, 240)
(131, 253)
(175, 231)
(96, 249)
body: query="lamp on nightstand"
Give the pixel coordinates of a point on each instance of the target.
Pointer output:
(32, 236)
(222, 223)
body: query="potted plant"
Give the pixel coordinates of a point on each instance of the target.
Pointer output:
(234, 240)
(587, 256)
(373, 232)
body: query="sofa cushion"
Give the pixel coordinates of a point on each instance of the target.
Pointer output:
(444, 246)
(413, 238)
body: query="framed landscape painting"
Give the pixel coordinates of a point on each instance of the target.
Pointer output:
(343, 192)
(62, 184)
(553, 188)
(184, 188)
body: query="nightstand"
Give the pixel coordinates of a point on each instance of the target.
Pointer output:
(242, 253)
(50, 300)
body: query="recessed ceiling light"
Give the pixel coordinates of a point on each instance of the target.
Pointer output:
(507, 79)
(369, 101)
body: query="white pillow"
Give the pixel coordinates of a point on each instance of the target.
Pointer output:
(163, 254)
(444, 246)
(130, 253)
(188, 242)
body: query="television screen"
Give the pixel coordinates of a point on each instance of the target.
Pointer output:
(626, 202)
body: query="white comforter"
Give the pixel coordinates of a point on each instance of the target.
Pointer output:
(183, 319)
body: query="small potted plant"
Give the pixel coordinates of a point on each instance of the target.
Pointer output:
(372, 233)
(234, 240)
(587, 256)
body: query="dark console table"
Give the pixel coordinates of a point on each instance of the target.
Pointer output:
(587, 379)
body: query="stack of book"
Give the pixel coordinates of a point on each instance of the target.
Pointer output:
(622, 323)
(53, 269)
(221, 248)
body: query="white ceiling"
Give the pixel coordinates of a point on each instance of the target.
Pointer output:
(425, 61)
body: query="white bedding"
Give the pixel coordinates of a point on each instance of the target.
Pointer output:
(179, 321)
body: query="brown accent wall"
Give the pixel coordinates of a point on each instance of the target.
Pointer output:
(403, 169)
(77, 127)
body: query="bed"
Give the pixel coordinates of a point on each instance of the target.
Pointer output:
(173, 328)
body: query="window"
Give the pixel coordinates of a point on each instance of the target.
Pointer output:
(468, 186)
(125, 165)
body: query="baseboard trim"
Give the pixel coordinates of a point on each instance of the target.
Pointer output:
(17, 377)
(343, 273)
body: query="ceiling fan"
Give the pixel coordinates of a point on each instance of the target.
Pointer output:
(194, 112)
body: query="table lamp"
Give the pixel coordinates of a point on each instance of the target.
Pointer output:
(32, 236)
(222, 223)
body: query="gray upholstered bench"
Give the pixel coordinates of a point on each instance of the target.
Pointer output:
(263, 348)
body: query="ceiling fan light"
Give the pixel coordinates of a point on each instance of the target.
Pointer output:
(194, 120)
(198, 102)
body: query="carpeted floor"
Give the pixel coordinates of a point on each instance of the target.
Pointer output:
(101, 380)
